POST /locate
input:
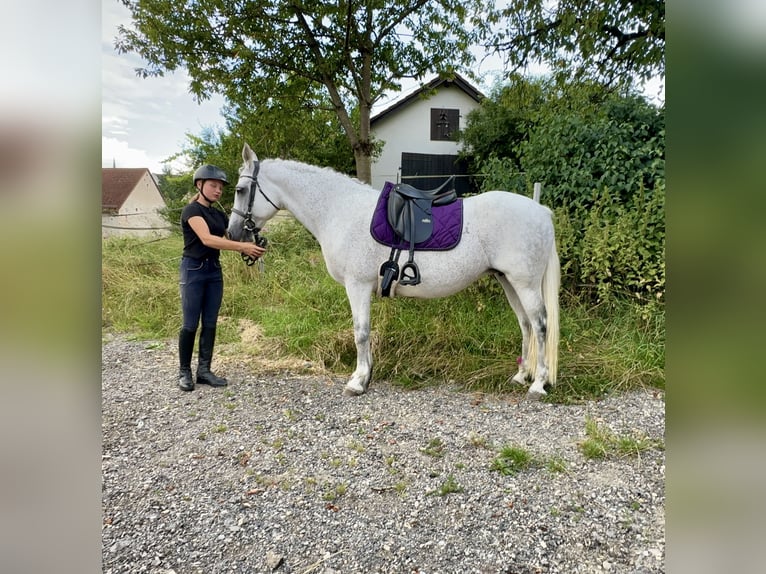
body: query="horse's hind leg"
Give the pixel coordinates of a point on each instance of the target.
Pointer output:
(525, 374)
(359, 299)
(532, 301)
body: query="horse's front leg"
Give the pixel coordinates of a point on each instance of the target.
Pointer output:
(359, 299)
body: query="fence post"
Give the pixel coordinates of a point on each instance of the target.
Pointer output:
(536, 194)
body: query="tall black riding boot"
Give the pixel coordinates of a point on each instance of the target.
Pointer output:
(204, 375)
(185, 350)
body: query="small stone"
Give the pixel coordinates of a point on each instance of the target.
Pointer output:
(273, 560)
(119, 545)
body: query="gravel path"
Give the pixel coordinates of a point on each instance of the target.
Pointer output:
(281, 473)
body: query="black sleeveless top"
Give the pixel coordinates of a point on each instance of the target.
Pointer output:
(216, 221)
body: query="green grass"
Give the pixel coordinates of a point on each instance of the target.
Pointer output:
(601, 443)
(434, 448)
(556, 465)
(449, 486)
(472, 337)
(613, 347)
(333, 492)
(511, 460)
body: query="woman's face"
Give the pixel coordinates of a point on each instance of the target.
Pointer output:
(212, 188)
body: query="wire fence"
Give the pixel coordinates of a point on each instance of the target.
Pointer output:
(107, 226)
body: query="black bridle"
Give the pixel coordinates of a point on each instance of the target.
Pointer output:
(251, 232)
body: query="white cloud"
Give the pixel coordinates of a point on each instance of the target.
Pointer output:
(145, 120)
(118, 153)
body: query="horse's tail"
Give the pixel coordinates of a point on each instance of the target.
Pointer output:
(550, 288)
(551, 280)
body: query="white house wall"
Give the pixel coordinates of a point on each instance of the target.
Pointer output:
(138, 216)
(408, 129)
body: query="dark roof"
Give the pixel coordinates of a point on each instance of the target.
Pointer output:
(116, 185)
(457, 80)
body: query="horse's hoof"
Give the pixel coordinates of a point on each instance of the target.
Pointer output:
(519, 379)
(350, 391)
(535, 395)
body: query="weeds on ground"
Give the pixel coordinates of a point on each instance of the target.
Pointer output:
(602, 443)
(434, 448)
(449, 486)
(300, 312)
(512, 460)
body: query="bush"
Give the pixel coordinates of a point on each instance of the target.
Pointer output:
(600, 159)
(611, 250)
(576, 155)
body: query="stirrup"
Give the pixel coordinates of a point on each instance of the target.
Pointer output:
(389, 271)
(412, 279)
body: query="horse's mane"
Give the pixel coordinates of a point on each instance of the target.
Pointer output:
(302, 167)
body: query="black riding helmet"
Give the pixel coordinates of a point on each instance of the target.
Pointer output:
(209, 171)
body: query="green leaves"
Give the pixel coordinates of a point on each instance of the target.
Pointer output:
(511, 460)
(611, 249)
(600, 156)
(335, 56)
(612, 40)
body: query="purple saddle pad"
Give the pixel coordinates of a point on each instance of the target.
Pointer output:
(448, 225)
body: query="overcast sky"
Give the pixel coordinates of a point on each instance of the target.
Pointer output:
(145, 121)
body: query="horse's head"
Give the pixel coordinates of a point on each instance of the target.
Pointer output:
(252, 208)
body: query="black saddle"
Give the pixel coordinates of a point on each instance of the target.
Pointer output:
(409, 214)
(409, 209)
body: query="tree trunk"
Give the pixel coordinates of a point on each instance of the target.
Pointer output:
(363, 166)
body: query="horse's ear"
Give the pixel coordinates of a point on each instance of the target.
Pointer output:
(248, 154)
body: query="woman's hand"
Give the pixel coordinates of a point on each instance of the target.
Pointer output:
(200, 227)
(251, 250)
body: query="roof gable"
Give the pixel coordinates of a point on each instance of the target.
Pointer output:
(457, 80)
(117, 183)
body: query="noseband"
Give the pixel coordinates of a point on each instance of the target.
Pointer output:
(251, 232)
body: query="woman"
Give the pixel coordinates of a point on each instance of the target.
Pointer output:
(201, 278)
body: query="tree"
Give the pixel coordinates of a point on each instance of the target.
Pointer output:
(573, 137)
(211, 146)
(612, 40)
(577, 149)
(258, 53)
(293, 129)
(503, 119)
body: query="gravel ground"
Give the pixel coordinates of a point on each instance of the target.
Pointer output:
(281, 473)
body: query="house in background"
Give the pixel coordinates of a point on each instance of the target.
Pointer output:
(418, 135)
(130, 204)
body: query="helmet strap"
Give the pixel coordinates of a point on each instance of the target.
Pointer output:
(201, 187)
